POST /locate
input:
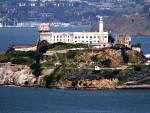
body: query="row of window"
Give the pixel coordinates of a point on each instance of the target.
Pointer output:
(57, 36)
(86, 37)
(86, 41)
(78, 37)
(59, 40)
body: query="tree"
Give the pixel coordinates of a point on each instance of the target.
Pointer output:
(43, 46)
(125, 56)
(111, 39)
(36, 69)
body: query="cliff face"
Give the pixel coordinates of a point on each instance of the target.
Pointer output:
(135, 57)
(114, 55)
(22, 76)
(16, 75)
(133, 25)
(89, 84)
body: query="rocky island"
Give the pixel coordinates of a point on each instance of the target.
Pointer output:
(74, 66)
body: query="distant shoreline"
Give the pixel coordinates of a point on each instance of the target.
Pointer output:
(123, 87)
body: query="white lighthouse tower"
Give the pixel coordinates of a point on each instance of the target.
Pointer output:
(101, 29)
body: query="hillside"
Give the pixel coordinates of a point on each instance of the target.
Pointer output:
(133, 25)
(74, 68)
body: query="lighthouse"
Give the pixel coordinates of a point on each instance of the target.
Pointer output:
(101, 30)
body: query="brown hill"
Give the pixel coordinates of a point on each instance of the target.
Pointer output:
(132, 25)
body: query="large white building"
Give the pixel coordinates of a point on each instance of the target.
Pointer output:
(97, 38)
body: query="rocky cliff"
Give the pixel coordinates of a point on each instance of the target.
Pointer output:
(89, 84)
(16, 75)
(22, 76)
(115, 55)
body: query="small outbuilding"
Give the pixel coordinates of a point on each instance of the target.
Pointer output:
(32, 47)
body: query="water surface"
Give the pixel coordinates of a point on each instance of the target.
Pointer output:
(37, 100)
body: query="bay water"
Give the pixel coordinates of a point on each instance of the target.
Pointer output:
(37, 100)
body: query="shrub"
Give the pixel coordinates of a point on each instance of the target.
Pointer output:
(111, 39)
(125, 56)
(71, 54)
(74, 83)
(21, 60)
(94, 58)
(53, 77)
(36, 67)
(106, 62)
(48, 80)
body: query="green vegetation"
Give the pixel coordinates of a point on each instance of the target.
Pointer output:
(111, 39)
(43, 46)
(94, 58)
(120, 46)
(53, 77)
(63, 46)
(125, 56)
(36, 69)
(106, 63)
(71, 54)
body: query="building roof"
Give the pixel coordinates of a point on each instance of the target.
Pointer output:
(21, 46)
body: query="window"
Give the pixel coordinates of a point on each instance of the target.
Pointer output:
(86, 36)
(78, 36)
(94, 36)
(82, 36)
(90, 36)
(75, 37)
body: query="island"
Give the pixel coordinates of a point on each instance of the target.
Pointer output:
(78, 60)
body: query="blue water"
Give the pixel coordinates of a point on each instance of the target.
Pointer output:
(144, 41)
(30, 36)
(37, 100)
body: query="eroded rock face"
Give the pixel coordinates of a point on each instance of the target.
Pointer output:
(16, 75)
(114, 55)
(89, 84)
(135, 57)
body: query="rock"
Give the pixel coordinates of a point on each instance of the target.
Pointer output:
(89, 84)
(16, 75)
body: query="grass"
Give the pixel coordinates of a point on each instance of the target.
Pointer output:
(63, 46)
